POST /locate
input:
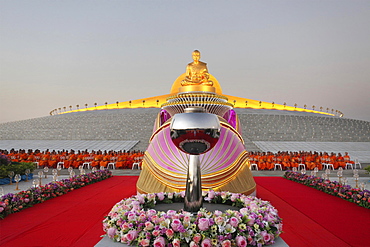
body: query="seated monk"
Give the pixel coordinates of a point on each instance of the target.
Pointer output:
(196, 72)
(340, 161)
(347, 159)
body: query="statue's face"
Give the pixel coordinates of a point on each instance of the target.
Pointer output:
(196, 56)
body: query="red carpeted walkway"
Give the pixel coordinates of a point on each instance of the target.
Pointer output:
(74, 219)
(310, 217)
(313, 218)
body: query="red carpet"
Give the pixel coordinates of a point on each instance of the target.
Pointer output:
(310, 217)
(313, 218)
(74, 219)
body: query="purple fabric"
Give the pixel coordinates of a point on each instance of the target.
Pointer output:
(164, 117)
(230, 117)
(167, 156)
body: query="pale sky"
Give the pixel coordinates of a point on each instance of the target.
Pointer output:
(60, 53)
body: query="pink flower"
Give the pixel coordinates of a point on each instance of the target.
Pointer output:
(112, 232)
(182, 194)
(193, 244)
(266, 237)
(169, 233)
(148, 226)
(176, 225)
(219, 220)
(187, 218)
(159, 242)
(140, 198)
(160, 196)
(176, 242)
(142, 217)
(206, 243)
(234, 221)
(241, 241)
(156, 233)
(211, 195)
(1, 209)
(145, 242)
(125, 226)
(203, 224)
(131, 235)
(223, 195)
(226, 243)
(197, 237)
(131, 217)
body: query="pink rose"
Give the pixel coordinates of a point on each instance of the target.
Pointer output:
(244, 211)
(223, 195)
(131, 235)
(203, 224)
(206, 243)
(193, 244)
(156, 233)
(142, 217)
(160, 196)
(234, 221)
(111, 232)
(241, 241)
(140, 198)
(125, 226)
(159, 242)
(187, 218)
(1, 209)
(148, 226)
(176, 242)
(26, 200)
(226, 243)
(219, 220)
(169, 233)
(176, 224)
(197, 237)
(145, 242)
(266, 237)
(131, 217)
(211, 195)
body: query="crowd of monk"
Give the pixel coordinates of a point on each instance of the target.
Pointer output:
(75, 159)
(125, 160)
(288, 160)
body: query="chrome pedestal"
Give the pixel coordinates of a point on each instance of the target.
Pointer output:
(193, 194)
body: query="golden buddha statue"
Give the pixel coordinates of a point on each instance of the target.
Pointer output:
(196, 72)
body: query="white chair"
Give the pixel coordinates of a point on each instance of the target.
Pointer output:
(61, 164)
(357, 163)
(277, 166)
(255, 166)
(37, 164)
(87, 164)
(136, 164)
(349, 165)
(112, 165)
(327, 166)
(299, 166)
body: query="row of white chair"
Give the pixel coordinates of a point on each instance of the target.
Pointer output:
(303, 166)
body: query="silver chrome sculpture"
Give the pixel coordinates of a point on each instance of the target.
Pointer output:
(194, 132)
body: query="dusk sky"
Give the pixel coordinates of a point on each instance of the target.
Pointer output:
(60, 53)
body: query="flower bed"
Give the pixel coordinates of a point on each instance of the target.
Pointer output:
(132, 222)
(346, 192)
(12, 203)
